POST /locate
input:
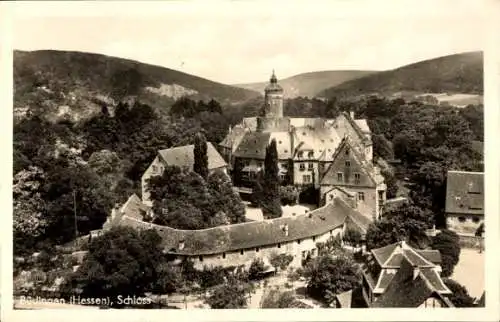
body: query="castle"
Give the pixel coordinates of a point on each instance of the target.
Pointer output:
(334, 157)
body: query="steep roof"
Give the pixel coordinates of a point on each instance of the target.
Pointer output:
(183, 156)
(253, 145)
(368, 168)
(391, 256)
(407, 290)
(250, 234)
(465, 192)
(344, 299)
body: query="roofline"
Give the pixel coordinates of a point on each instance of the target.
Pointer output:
(227, 227)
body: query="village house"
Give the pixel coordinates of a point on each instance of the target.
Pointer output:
(240, 244)
(183, 157)
(464, 201)
(397, 275)
(308, 149)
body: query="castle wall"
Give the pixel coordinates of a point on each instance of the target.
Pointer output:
(298, 250)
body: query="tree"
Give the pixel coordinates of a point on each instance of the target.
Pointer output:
(280, 261)
(122, 262)
(460, 296)
(407, 222)
(29, 218)
(256, 269)
(276, 299)
(271, 195)
(448, 244)
(391, 182)
(224, 199)
(289, 195)
(200, 156)
(352, 237)
(327, 276)
(230, 295)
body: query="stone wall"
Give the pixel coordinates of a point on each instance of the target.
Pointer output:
(299, 250)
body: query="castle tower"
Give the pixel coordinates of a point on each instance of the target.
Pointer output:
(273, 106)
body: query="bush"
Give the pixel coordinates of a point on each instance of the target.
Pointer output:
(289, 195)
(256, 269)
(460, 296)
(448, 244)
(352, 237)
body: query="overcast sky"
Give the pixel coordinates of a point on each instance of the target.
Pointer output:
(242, 41)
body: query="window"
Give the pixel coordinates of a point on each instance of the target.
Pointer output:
(475, 219)
(361, 196)
(348, 163)
(314, 238)
(298, 241)
(306, 178)
(284, 165)
(279, 142)
(223, 255)
(300, 154)
(279, 245)
(200, 258)
(340, 177)
(302, 167)
(461, 219)
(310, 166)
(242, 252)
(310, 154)
(154, 168)
(347, 151)
(282, 177)
(357, 178)
(257, 249)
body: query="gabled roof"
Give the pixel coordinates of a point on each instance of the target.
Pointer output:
(253, 145)
(465, 192)
(183, 156)
(249, 234)
(391, 256)
(407, 289)
(330, 177)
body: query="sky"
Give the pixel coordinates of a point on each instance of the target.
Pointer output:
(243, 41)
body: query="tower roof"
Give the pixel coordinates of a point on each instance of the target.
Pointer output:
(273, 84)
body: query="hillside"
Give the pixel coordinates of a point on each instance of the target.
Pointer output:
(460, 73)
(309, 84)
(61, 80)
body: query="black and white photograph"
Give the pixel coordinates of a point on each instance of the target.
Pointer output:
(194, 155)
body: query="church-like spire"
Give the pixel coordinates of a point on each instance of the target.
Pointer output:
(273, 79)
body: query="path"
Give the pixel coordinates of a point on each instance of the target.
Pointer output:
(470, 271)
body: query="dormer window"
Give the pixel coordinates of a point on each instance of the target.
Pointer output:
(310, 166)
(154, 168)
(302, 167)
(300, 154)
(348, 163)
(310, 154)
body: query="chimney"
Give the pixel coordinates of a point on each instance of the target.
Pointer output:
(351, 114)
(285, 229)
(181, 245)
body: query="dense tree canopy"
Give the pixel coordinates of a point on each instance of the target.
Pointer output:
(407, 222)
(460, 296)
(184, 200)
(447, 242)
(328, 276)
(231, 295)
